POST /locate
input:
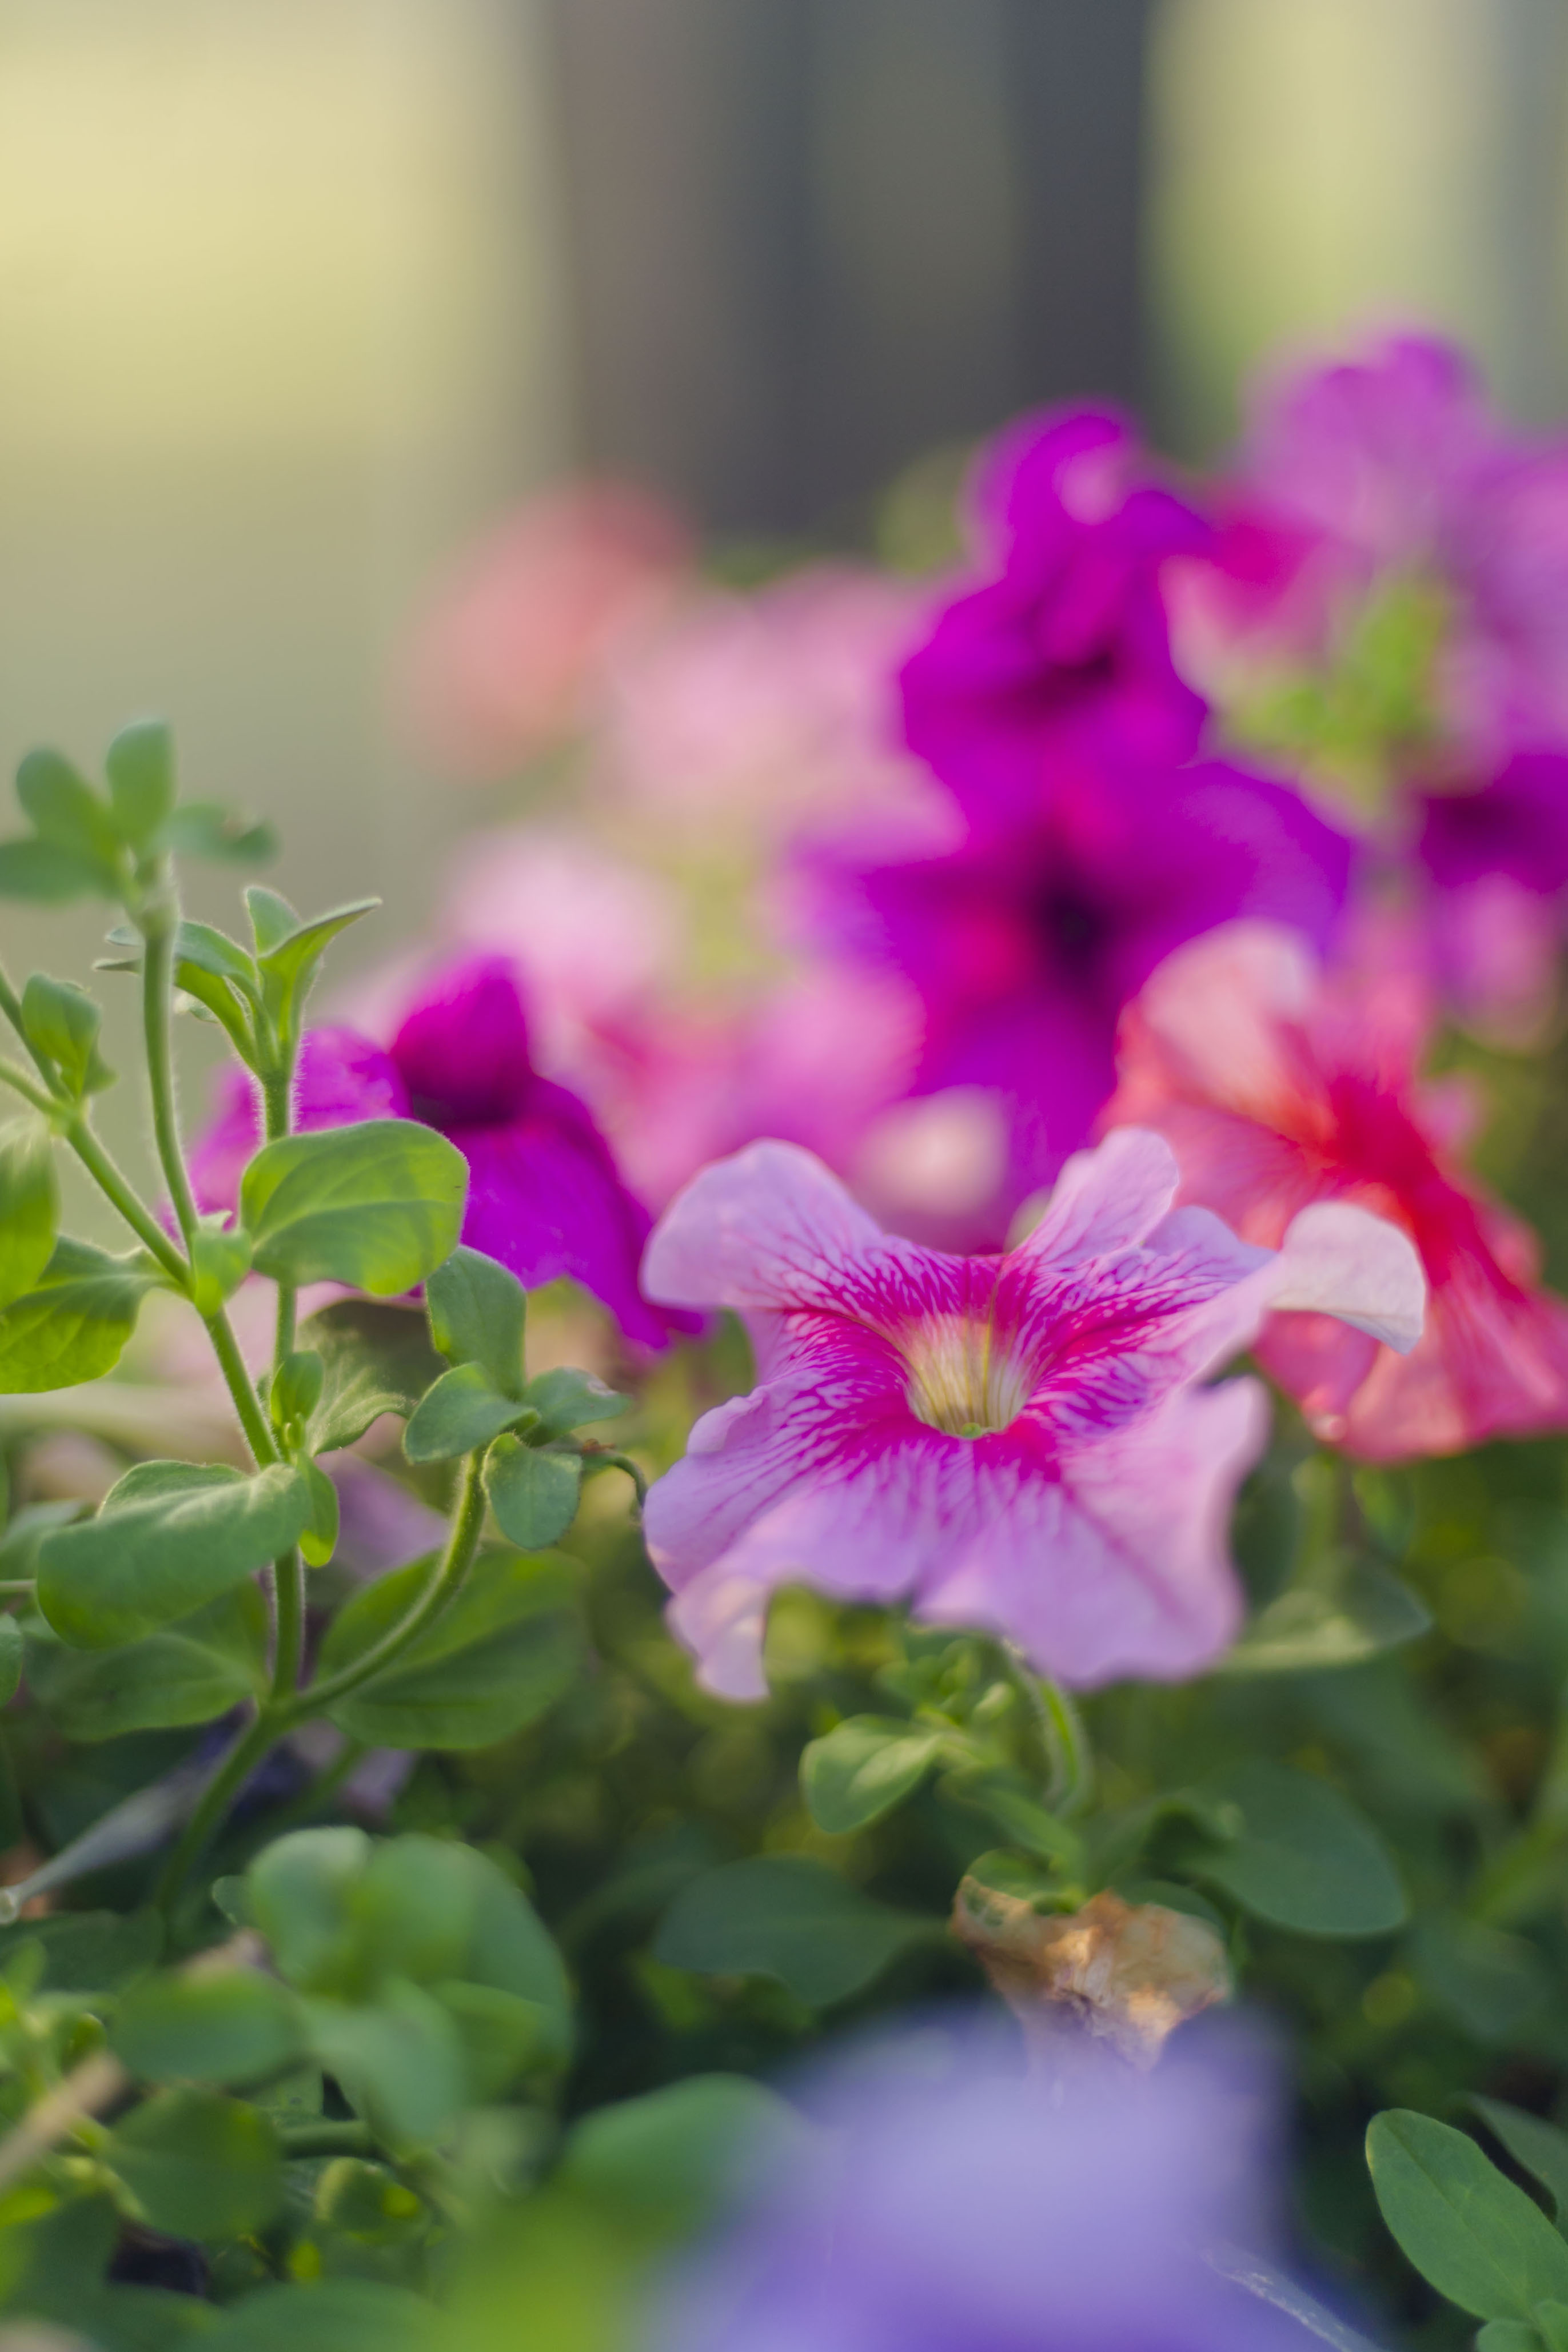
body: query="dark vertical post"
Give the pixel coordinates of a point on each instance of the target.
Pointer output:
(810, 238)
(1078, 87)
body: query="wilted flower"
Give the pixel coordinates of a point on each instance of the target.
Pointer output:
(1020, 1443)
(544, 1195)
(1023, 945)
(948, 2203)
(1280, 1085)
(1067, 641)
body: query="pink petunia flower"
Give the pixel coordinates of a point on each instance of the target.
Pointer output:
(545, 1196)
(1279, 1086)
(1018, 1442)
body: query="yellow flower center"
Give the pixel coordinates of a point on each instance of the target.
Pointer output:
(962, 1378)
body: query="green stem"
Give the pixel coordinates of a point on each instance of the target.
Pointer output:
(289, 1600)
(277, 1092)
(241, 1388)
(1069, 1756)
(11, 1006)
(12, 1077)
(158, 920)
(260, 1734)
(444, 1586)
(137, 1215)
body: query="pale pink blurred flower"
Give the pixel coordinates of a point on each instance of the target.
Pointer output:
(1022, 1443)
(504, 662)
(758, 713)
(1279, 1085)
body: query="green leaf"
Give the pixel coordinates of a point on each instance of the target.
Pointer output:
(1305, 1859)
(1470, 2232)
(167, 1537)
(533, 1494)
(233, 2028)
(564, 1399)
(297, 1891)
(140, 765)
(189, 1672)
(677, 2155)
(1305, 1631)
(19, 1545)
(399, 2059)
(477, 1310)
(377, 1359)
(377, 1207)
(288, 962)
(72, 1327)
(204, 829)
(782, 1916)
(1551, 2321)
(30, 868)
(504, 1650)
(68, 814)
(861, 1769)
(29, 1206)
(318, 1537)
(294, 1391)
(334, 2314)
(1508, 2336)
(1536, 2145)
(10, 1659)
(62, 1020)
(199, 2166)
(1491, 1982)
(219, 1264)
(460, 1411)
(272, 919)
(90, 1951)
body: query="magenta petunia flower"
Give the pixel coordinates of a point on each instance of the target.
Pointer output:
(1023, 945)
(1069, 639)
(1279, 1085)
(544, 1195)
(1017, 1442)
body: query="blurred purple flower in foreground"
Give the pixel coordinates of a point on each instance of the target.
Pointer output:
(544, 1195)
(1019, 1444)
(948, 2204)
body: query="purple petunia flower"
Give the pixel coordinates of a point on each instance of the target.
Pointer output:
(1069, 639)
(1017, 1442)
(946, 2202)
(544, 1195)
(1024, 945)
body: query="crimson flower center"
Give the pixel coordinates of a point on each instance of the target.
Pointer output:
(965, 1377)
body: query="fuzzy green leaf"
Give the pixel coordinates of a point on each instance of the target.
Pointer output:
(533, 1493)
(377, 1206)
(29, 1206)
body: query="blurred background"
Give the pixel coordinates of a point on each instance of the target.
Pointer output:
(294, 298)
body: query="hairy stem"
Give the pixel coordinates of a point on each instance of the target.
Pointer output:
(12, 1077)
(1069, 1757)
(112, 1183)
(241, 1388)
(450, 1573)
(158, 922)
(277, 1096)
(11, 1006)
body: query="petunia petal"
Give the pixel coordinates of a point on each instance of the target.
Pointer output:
(768, 1227)
(1107, 1199)
(1343, 1261)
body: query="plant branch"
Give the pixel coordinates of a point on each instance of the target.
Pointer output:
(259, 1735)
(241, 1388)
(112, 1181)
(12, 1077)
(451, 1573)
(11, 1006)
(157, 922)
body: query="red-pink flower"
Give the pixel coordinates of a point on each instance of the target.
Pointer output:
(1020, 1443)
(1279, 1086)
